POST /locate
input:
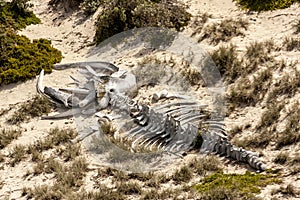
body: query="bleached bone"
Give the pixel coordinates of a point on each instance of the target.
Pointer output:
(165, 94)
(57, 95)
(75, 90)
(214, 142)
(94, 64)
(170, 128)
(39, 85)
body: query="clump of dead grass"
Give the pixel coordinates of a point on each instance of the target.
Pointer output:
(35, 107)
(291, 43)
(224, 30)
(7, 136)
(17, 154)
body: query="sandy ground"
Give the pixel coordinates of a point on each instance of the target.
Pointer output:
(71, 33)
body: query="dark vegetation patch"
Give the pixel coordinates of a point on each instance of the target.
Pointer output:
(20, 58)
(15, 15)
(233, 186)
(224, 31)
(122, 15)
(56, 137)
(35, 107)
(255, 5)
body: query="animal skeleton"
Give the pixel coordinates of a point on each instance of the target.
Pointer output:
(172, 127)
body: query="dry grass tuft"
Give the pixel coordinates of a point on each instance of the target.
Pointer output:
(291, 43)
(184, 174)
(224, 30)
(206, 164)
(35, 107)
(17, 154)
(228, 63)
(7, 136)
(281, 158)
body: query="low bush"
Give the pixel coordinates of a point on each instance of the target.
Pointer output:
(15, 15)
(233, 186)
(20, 58)
(256, 5)
(122, 15)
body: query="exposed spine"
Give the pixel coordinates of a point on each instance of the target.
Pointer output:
(214, 142)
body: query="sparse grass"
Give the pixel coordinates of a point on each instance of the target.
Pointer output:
(7, 136)
(281, 158)
(271, 115)
(224, 30)
(68, 179)
(1, 157)
(291, 43)
(17, 154)
(233, 186)
(295, 170)
(56, 137)
(165, 194)
(35, 107)
(184, 174)
(260, 140)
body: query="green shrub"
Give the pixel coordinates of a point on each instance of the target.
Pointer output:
(123, 15)
(257, 5)
(24, 59)
(15, 15)
(21, 59)
(241, 186)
